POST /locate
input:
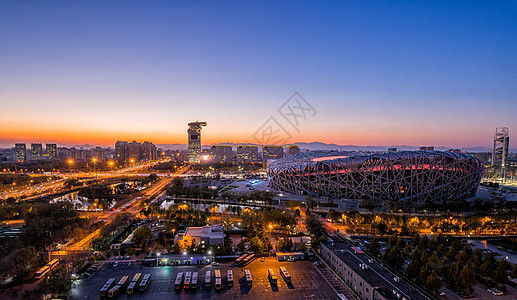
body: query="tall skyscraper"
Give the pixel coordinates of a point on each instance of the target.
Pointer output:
(36, 150)
(272, 152)
(148, 151)
(292, 149)
(194, 141)
(247, 153)
(221, 153)
(51, 151)
(121, 151)
(501, 144)
(21, 152)
(134, 150)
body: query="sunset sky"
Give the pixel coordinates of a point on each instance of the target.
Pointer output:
(440, 73)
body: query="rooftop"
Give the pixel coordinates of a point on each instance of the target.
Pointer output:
(374, 274)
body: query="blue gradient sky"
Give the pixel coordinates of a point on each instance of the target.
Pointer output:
(440, 73)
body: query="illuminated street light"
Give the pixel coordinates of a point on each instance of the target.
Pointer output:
(70, 163)
(94, 160)
(111, 163)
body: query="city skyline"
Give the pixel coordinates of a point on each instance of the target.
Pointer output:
(443, 74)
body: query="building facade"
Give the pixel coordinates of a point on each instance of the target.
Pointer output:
(21, 152)
(51, 151)
(247, 153)
(272, 152)
(221, 153)
(196, 236)
(292, 150)
(36, 150)
(194, 141)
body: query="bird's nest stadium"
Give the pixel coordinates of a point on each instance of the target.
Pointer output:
(416, 176)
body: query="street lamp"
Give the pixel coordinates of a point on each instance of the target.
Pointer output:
(70, 163)
(94, 160)
(111, 165)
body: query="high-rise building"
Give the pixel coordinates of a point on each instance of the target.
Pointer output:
(501, 144)
(134, 150)
(391, 150)
(121, 151)
(292, 149)
(272, 152)
(247, 153)
(36, 150)
(221, 153)
(51, 151)
(21, 152)
(148, 151)
(194, 141)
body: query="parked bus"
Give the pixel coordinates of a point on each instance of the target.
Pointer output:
(41, 272)
(217, 273)
(134, 283)
(285, 274)
(120, 285)
(107, 286)
(248, 259)
(230, 278)
(240, 260)
(53, 263)
(144, 283)
(272, 276)
(193, 283)
(218, 283)
(249, 280)
(179, 281)
(188, 276)
(208, 279)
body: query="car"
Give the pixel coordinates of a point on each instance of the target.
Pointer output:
(115, 264)
(317, 264)
(128, 257)
(262, 259)
(490, 290)
(497, 293)
(441, 294)
(130, 264)
(214, 263)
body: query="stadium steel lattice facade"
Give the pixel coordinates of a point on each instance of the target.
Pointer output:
(416, 176)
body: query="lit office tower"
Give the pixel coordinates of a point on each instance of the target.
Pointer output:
(51, 151)
(247, 153)
(134, 150)
(20, 152)
(272, 152)
(292, 149)
(149, 151)
(36, 150)
(121, 151)
(194, 141)
(427, 148)
(221, 153)
(500, 151)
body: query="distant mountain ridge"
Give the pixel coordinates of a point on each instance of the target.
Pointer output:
(317, 146)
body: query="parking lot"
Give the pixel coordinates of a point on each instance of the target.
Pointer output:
(306, 282)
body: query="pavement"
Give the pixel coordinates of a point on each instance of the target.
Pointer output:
(306, 283)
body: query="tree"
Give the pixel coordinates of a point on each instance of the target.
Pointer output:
(142, 235)
(58, 283)
(433, 282)
(375, 247)
(488, 267)
(285, 244)
(466, 278)
(501, 274)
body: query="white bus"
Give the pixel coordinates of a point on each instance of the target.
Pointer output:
(134, 283)
(179, 281)
(272, 276)
(208, 279)
(218, 283)
(249, 280)
(193, 282)
(120, 285)
(230, 278)
(106, 287)
(285, 274)
(217, 273)
(41, 272)
(188, 276)
(144, 283)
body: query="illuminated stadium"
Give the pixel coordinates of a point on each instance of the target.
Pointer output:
(416, 176)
